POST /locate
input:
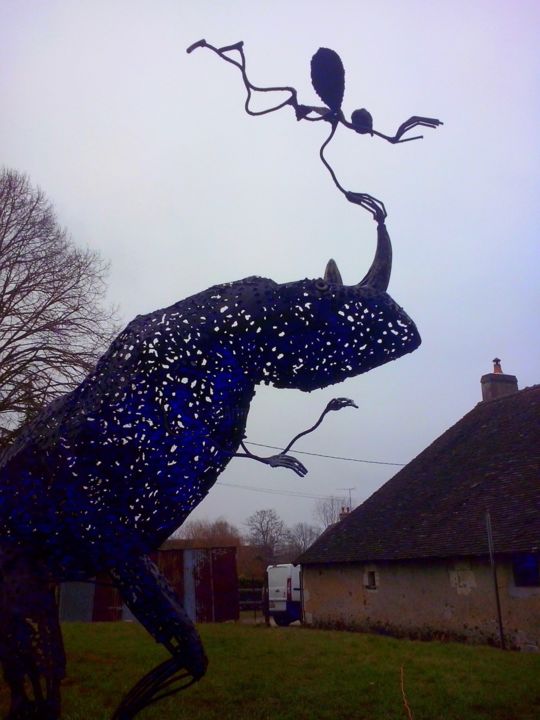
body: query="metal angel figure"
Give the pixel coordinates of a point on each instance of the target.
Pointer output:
(328, 79)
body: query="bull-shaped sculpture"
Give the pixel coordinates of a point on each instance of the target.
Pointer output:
(105, 474)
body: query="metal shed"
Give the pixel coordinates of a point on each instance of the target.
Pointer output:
(205, 579)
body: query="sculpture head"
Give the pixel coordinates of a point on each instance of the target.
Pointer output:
(314, 333)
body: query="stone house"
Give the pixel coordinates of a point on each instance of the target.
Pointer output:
(414, 559)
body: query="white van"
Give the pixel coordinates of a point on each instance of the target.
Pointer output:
(284, 593)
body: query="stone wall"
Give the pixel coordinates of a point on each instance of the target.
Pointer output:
(451, 599)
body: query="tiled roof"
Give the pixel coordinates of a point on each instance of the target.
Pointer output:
(436, 505)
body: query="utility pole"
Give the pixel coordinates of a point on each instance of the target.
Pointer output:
(494, 573)
(349, 490)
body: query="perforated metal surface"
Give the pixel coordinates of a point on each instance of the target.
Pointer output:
(117, 465)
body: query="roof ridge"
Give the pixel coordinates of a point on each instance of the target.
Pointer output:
(436, 504)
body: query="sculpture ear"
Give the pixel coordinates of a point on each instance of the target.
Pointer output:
(332, 274)
(328, 77)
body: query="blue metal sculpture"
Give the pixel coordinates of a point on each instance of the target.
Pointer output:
(105, 474)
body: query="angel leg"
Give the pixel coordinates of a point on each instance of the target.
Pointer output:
(238, 47)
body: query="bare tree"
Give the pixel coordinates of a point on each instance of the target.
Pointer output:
(209, 533)
(53, 325)
(328, 510)
(300, 537)
(266, 531)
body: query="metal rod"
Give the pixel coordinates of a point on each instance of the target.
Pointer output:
(495, 582)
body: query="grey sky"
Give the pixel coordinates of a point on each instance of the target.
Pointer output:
(148, 156)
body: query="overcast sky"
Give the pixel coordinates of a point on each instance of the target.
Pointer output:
(148, 156)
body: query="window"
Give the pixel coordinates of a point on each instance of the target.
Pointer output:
(371, 580)
(526, 570)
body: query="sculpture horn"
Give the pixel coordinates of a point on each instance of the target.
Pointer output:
(378, 275)
(332, 274)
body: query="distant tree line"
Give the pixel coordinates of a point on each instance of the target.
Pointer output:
(267, 540)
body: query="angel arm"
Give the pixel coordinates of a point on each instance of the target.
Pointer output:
(409, 124)
(362, 123)
(287, 461)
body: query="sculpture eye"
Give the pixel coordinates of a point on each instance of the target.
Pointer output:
(321, 285)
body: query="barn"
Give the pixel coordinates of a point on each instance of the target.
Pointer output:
(205, 579)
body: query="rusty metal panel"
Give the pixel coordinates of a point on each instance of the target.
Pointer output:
(204, 586)
(171, 564)
(205, 580)
(188, 597)
(225, 584)
(107, 600)
(76, 601)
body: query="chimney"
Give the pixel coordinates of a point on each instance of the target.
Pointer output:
(497, 384)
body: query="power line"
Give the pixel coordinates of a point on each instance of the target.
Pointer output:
(331, 457)
(274, 491)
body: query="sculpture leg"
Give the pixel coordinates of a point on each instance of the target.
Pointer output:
(31, 648)
(14, 670)
(151, 599)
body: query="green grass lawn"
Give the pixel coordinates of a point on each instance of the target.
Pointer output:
(261, 673)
